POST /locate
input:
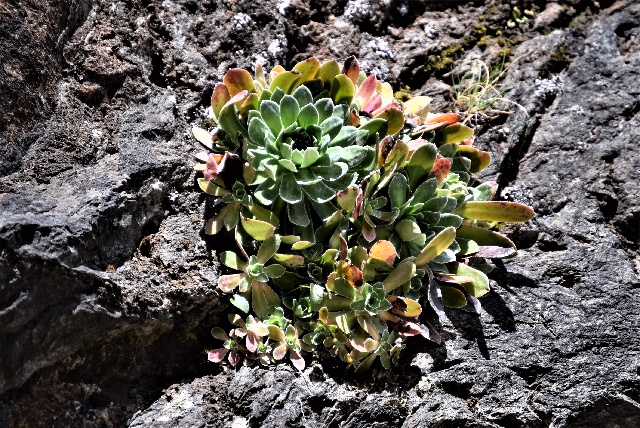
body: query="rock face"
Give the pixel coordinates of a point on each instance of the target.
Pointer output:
(107, 280)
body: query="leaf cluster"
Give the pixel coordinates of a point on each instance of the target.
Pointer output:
(351, 211)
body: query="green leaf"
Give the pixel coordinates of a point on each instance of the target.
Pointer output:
(270, 112)
(484, 237)
(452, 297)
(289, 110)
(310, 156)
(301, 245)
(454, 134)
(240, 302)
(365, 364)
(216, 223)
(479, 286)
(328, 71)
(324, 107)
(308, 115)
(400, 275)
(502, 211)
(287, 81)
(331, 127)
(467, 246)
(287, 164)
(398, 190)
(376, 126)
(346, 137)
(452, 220)
(342, 287)
(394, 118)
(298, 213)
(355, 155)
(303, 95)
(297, 157)
(268, 248)
(342, 89)
(436, 246)
(210, 188)
(229, 121)
(231, 259)
(262, 297)
(425, 191)
(289, 260)
(408, 230)
(290, 190)
(267, 192)
(316, 295)
(319, 192)
(479, 159)
(420, 164)
(347, 198)
(274, 271)
(486, 191)
(257, 229)
(259, 132)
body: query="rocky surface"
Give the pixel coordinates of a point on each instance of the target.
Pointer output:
(107, 280)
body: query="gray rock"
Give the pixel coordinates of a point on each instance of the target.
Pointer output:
(107, 280)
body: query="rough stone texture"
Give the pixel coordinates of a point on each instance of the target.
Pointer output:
(106, 279)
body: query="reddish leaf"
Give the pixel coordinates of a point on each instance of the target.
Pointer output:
(441, 168)
(237, 80)
(217, 355)
(365, 91)
(351, 69)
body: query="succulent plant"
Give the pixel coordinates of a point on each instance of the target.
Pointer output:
(352, 211)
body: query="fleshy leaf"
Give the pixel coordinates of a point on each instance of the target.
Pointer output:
(215, 224)
(289, 260)
(421, 163)
(203, 137)
(289, 110)
(408, 230)
(228, 283)
(257, 229)
(454, 134)
(365, 91)
(237, 80)
(262, 297)
(418, 106)
(400, 275)
(268, 248)
(441, 168)
(383, 250)
(479, 159)
(219, 98)
(307, 69)
(231, 260)
(406, 307)
(394, 118)
(453, 297)
(210, 188)
(480, 284)
(217, 355)
(437, 245)
(328, 71)
(502, 211)
(287, 81)
(240, 302)
(308, 116)
(342, 89)
(290, 190)
(274, 271)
